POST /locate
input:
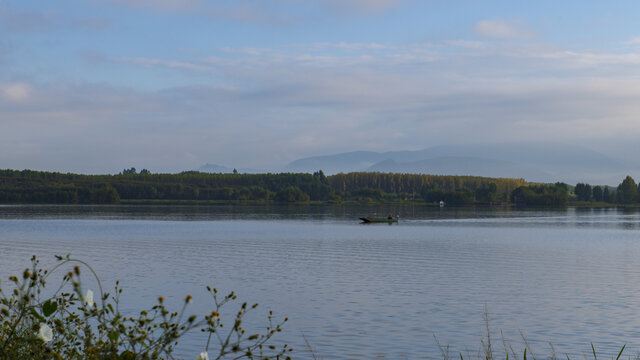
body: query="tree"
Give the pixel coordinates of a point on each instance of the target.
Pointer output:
(487, 192)
(627, 191)
(608, 196)
(129, 171)
(431, 193)
(291, 194)
(578, 190)
(145, 171)
(541, 195)
(597, 193)
(583, 192)
(320, 176)
(458, 197)
(588, 193)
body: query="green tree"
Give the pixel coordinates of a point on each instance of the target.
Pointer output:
(291, 194)
(487, 192)
(541, 195)
(583, 192)
(461, 197)
(320, 176)
(432, 193)
(627, 192)
(597, 193)
(608, 195)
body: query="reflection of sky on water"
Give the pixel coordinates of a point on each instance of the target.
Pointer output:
(568, 276)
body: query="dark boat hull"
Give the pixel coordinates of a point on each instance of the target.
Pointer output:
(377, 220)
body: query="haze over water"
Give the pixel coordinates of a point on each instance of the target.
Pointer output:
(566, 276)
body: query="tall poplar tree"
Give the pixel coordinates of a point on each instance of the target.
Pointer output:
(627, 191)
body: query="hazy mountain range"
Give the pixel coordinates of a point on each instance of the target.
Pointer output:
(538, 162)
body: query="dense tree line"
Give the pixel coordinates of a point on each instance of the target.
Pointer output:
(431, 188)
(541, 195)
(57, 188)
(50, 187)
(627, 192)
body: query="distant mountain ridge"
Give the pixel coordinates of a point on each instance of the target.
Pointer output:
(457, 165)
(536, 162)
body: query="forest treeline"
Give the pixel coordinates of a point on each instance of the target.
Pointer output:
(29, 186)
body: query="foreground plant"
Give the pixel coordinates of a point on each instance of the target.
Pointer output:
(70, 325)
(487, 351)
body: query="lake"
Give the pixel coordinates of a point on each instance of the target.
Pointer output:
(565, 276)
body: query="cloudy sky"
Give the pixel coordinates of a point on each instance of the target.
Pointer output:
(96, 86)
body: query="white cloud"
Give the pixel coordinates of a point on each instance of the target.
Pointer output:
(633, 41)
(271, 106)
(15, 92)
(501, 29)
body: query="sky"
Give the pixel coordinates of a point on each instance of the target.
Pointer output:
(96, 86)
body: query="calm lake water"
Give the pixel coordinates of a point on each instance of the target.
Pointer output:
(567, 276)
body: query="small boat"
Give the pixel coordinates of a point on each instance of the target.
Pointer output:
(378, 220)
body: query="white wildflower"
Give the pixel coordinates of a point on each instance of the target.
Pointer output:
(45, 334)
(203, 356)
(88, 299)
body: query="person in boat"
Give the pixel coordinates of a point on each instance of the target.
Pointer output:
(390, 216)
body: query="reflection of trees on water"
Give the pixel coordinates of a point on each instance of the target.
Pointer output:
(627, 218)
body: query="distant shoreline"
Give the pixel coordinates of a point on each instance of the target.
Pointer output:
(570, 204)
(368, 188)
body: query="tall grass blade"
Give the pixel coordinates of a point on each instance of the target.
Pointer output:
(527, 346)
(309, 347)
(594, 352)
(488, 349)
(553, 352)
(443, 350)
(621, 350)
